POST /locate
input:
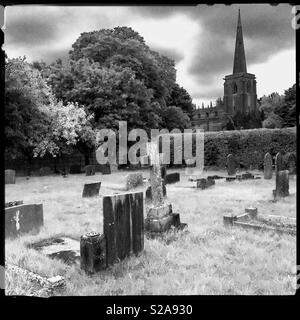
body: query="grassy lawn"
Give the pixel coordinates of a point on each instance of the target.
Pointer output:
(206, 259)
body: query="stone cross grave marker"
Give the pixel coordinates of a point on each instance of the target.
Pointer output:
(231, 165)
(268, 166)
(123, 225)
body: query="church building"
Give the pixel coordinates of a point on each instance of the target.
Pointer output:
(239, 92)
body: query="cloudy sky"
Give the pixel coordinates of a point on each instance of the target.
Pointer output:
(200, 39)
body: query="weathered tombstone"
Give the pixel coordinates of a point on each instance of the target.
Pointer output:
(279, 162)
(22, 219)
(205, 183)
(134, 180)
(10, 176)
(172, 177)
(268, 166)
(231, 165)
(123, 225)
(75, 168)
(91, 189)
(90, 170)
(291, 163)
(229, 179)
(247, 175)
(282, 184)
(92, 252)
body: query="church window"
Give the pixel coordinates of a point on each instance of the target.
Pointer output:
(234, 88)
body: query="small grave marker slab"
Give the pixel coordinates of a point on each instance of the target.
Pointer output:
(104, 168)
(91, 189)
(205, 183)
(10, 176)
(247, 176)
(268, 170)
(231, 165)
(123, 225)
(23, 219)
(172, 178)
(90, 170)
(92, 252)
(62, 248)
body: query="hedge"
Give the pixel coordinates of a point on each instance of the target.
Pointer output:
(248, 146)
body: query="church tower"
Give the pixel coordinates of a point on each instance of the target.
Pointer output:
(240, 86)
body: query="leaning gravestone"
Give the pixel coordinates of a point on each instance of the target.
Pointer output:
(10, 176)
(91, 189)
(123, 225)
(23, 218)
(279, 162)
(90, 170)
(268, 166)
(282, 184)
(231, 165)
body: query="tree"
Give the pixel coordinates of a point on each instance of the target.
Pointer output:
(174, 117)
(273, 121)
(287, 111)
(26, 94)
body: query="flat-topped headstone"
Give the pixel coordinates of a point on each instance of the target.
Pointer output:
(75, 169)
(23, 219)
(91, 189)
(205, 183)
(90, 170)
(172, 177)
(279, 162)
(104, 168)
(134, 180)
(247, 176)
(10, 176)
(123, 225)
(268, 170)
(231, 165)
(282, 184)
(149, 192)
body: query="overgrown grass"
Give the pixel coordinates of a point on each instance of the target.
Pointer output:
(206, 259)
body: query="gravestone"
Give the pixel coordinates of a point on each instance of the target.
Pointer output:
(92, 252)
(282, 184)
(23, 219)
(279, 162)
(123, 225)
(172, 177)
(134, 180)
(291, 163)
(75, 169)
(91, 189)
(268, 166)
(10, 176)
(229, 179)
(105, 168)
(90, 170)
(247, 176)
(231, 165)
(205, 183)
(149, 192)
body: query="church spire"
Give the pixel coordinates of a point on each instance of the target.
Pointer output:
(239, 64)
